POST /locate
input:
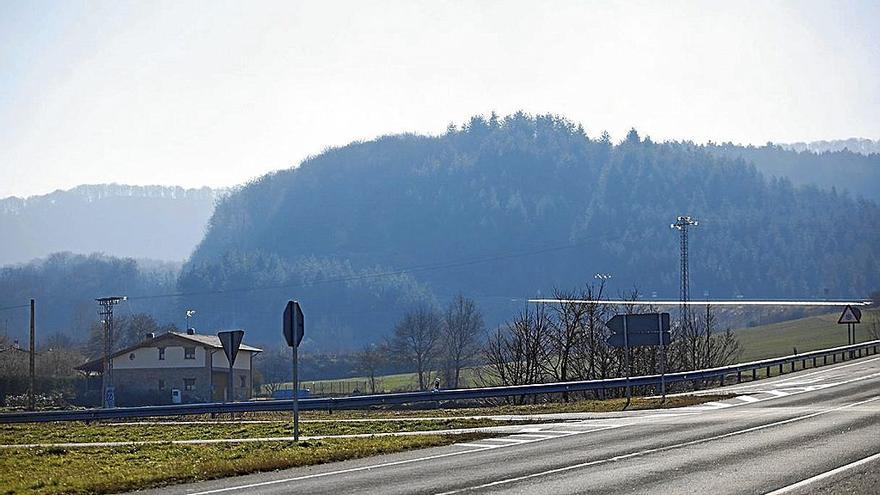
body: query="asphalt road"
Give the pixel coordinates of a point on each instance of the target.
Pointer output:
(808, 432)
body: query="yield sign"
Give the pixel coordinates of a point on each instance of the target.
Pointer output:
(231, 340)
(850, 315)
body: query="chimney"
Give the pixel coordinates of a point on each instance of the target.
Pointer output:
(190, 331)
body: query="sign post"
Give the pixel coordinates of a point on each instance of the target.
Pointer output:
(851, 317)
(639, 330)
(626, 356)
(294, 329)
(231, 341)
(662, 358)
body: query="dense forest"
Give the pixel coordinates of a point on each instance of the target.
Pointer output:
(499, 209)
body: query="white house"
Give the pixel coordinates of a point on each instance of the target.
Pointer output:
(192, 363)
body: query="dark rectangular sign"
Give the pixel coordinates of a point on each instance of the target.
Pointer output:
(641, 323)
(638, 339)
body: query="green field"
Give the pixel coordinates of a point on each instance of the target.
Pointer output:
(78, 432)
(804, 334)
(115, 469)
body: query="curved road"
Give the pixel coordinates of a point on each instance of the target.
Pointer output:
(805, 432)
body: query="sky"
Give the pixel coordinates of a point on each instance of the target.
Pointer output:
(218, 93)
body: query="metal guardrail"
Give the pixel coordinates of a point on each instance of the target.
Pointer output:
(364, 401)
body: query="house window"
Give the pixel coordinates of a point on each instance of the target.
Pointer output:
(242, 381)
(189, 353)
(161, 354)
(189, 383)
(161, 384)
(131, 356)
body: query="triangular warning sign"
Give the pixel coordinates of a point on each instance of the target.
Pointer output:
(850, 315)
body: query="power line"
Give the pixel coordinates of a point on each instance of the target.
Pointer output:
(20, 306)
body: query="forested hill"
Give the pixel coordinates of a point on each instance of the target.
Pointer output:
(154, 222)
(510, 208)
(846, 170)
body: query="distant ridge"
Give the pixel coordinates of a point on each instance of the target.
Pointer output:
(856, 145)
(155, 222)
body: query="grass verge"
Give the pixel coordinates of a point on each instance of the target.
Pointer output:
(78, 432)
(111, 470)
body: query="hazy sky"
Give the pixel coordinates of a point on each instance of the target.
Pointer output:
(214, 93)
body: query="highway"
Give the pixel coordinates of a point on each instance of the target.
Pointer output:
(814, 431)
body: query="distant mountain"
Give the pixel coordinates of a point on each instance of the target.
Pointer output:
(856, 145)
(154, 222)
(844, 170)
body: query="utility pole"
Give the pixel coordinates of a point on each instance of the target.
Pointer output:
(31, 400)
(107, 391)
(682, 223)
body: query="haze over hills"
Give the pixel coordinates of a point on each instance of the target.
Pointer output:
(155, 222)
(855, 145)
(499, 209)
(824, 164)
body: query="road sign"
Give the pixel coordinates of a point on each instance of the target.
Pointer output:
(231, 341)
(850, 315)
(638, 339)
(641, 323)
(294, 323)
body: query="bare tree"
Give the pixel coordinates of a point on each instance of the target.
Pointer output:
(461, 337)
(567, 328)
(415, 341)
(594, 357)
(516, 353)
(370, 361)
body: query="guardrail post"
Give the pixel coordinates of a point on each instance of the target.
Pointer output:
(834, 358)
(792, 366)
(768, 372)
(739, 377)
(754, 374)
(814, 362)
(722, 380)
(780, 369)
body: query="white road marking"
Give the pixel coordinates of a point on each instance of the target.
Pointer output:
(827, 474)
(374, 466)
(477, 445)
(512, 440)
(747, 398)
(831, 368)
(777, 393)
(658, 449)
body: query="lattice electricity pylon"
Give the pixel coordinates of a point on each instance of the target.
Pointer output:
(682, 223)
(106, 313)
